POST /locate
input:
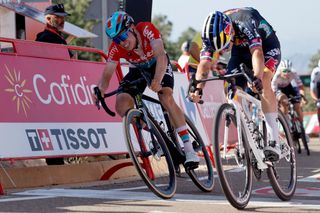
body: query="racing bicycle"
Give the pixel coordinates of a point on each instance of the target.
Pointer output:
(297, 129)
(154, 146)
(239, 139)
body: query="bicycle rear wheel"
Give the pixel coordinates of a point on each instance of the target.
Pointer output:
(202, 176)
(150, 154)
(232, 161)
(283, 174)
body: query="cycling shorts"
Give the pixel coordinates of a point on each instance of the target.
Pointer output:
(289, 91)
(272, 58)
(136, 73)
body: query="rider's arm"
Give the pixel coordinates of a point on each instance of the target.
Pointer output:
(162, 61)
(257, 61)
(299, 83)
(203, 71)
(106, 75)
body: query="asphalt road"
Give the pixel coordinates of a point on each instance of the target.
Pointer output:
(132, 196)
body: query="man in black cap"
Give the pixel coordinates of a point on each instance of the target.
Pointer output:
(54, 16)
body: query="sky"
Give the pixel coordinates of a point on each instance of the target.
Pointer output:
(296, 22)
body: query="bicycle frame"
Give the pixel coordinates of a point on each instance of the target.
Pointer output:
(170, 129)
(243, 118)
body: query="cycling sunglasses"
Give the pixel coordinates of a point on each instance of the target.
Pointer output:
(286, 70)
(121, 37)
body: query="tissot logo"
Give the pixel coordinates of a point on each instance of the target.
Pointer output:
(18, 89)
(66, 139)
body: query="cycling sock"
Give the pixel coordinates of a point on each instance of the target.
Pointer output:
(272, 126)
(185, 137)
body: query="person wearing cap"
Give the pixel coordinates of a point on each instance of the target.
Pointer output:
(54, 16)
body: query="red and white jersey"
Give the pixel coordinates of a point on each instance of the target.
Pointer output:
(148, 32)
(315, 79)
(280, 82)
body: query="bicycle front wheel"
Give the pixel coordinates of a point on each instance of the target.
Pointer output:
(202, 176)
(149, 154)
(283, 174)
(232, 158)
(304, 138)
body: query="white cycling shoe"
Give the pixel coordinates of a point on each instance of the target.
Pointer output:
(272, 152)
(192, 160)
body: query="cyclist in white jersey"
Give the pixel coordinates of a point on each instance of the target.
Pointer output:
(282, 84)
(315, 87)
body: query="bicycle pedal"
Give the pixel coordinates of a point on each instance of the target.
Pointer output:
(270, 156)
(191, 165)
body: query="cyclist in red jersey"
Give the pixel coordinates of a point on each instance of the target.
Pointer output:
(141, 45)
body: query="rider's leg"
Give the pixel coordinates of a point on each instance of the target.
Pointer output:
(124, 102)
(297, 108)
(270, 109)
(179, 122)
(283, 103)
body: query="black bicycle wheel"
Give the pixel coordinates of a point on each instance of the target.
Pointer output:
(202, 176)
(283, 174)
(150, 154)
(295, 134)
(232, 163)
(304, 138)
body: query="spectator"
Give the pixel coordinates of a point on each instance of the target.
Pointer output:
(315, 87)
(54, 16)
(184, 58)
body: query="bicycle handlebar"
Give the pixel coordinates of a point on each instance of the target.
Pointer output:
(124, 86)
(244, 71)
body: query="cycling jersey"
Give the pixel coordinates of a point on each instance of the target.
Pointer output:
(279, 81)
(251, 31)
(315, 81)
(148, 33)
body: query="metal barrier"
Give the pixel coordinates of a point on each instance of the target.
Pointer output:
(48, 109)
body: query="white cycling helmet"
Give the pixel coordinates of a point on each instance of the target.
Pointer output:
(285, 65)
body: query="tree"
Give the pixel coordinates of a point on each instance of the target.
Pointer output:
(165, 28)
(314, 60)
(77, 9)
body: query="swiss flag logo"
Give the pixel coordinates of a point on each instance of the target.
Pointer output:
(45, 139)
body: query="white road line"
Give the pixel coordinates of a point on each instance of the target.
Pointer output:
(25, 198)
(146, 196)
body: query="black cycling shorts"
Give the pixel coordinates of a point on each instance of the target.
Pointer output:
(136, 73)
(272, 58)
(290, 91)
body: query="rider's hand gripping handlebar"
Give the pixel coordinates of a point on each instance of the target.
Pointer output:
(100, 100)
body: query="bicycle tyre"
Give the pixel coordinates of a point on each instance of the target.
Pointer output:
(238, 199)
(304, 139)
(161, 183)
(203, 176)
(283, 188)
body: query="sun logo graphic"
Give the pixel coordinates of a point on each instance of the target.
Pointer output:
(18, 90)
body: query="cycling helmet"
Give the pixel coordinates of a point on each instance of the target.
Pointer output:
(285, 65)
(118, 22)
(217, 31)
(185, 46)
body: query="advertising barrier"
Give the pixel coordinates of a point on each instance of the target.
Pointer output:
(48, 109)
